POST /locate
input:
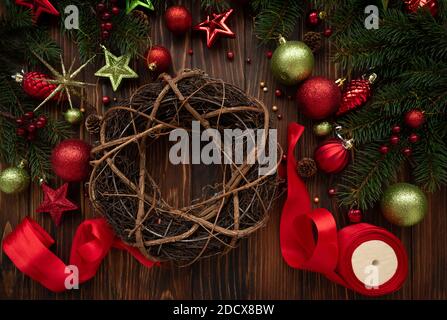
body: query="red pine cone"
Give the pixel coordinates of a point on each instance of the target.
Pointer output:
(34, 85)
(355, 95)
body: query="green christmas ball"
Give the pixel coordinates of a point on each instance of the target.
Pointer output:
(322, 129)
(73, 116)
(292, 62)
(404, 204)
(14, 180)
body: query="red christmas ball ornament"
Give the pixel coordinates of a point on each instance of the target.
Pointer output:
(178, 19)
(333, 155)
(70, 160)
(318, 98)
(414, 5)
(355, 215)
(158, 59)
(355, 94)
(105, 100)
(35, 85)
(414, 118)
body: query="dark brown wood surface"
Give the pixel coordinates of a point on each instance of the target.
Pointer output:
(255, 269)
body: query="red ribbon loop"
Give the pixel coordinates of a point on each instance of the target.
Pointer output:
(27, 247)
(329, 252)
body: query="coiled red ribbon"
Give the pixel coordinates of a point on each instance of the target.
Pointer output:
(27, 247)
(329, 252)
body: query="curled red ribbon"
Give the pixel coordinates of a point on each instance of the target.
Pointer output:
(27, 247)
(329, 252)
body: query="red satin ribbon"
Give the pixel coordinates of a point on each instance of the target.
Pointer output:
(27, 247)
(329, 252)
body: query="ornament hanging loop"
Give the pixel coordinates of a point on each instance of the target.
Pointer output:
(347, 143)
(372, 77)
(281, 40)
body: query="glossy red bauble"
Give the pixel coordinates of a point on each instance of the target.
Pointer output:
(414, 118)
(318, 98)
(332, 156)
(70, 160)
(313, 18)
(158, 59)
(178, 19)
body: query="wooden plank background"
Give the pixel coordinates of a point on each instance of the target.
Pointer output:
(255, 269)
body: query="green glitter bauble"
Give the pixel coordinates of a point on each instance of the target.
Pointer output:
(322, 129)
(14, 180)
(292, 62)
(404, 204)
(73, 116)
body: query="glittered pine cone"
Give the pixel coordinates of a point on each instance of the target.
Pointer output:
(307, 167)
(313, 40)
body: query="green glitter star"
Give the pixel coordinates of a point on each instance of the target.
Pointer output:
(116, 69)
(132, 4)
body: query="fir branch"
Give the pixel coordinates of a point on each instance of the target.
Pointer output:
(214, 5)
(278, 18)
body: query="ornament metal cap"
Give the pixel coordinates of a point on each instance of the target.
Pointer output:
(347, 143)
(18, 77)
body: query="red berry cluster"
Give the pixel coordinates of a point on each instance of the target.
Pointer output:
(414, 119)
(104, 13)
(28, 125)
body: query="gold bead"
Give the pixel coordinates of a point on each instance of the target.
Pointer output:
(265, 89)
(275, 108)
(262, 84)
(82, 110)
(316, 200)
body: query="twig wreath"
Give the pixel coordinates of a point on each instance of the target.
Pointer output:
(122, 189)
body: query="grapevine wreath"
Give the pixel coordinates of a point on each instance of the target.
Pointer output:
(130, 198)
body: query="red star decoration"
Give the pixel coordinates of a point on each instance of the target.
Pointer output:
(38, 6)
(216, 27)
(55, 202)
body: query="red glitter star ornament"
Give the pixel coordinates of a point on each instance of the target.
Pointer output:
(216, 27)
(55, 202)
(38, 6)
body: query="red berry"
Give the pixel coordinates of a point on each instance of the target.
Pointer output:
(384, 149)
(42, 119)
(100, 7)
(20, 121)
(313, 18)
(327, 32)
(20, 132)
(115, 10)
(113, 1)
(105, 100)
(407, 151)
(190, 52)
(394, 140)
(269, 54)
(103, 25)
(106, 16)
(414, 118)
(413, 138)
(332, 192)
(108, 26)
(40, 124)
(105, 34)
(29, 115)
(230, 55)
(248, 60)
(31, 136)
(284, 157)
(355, 215)
(31, 128)
(278, 93)
(396, 129)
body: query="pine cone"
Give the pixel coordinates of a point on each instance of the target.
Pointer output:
(307, 167)
(141, 16)
(313, 40)
(93, 123)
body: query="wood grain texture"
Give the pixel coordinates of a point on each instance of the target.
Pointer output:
(255, 269)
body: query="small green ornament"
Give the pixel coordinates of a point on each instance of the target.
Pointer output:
(132, 4)
(116, 69)
(14, 180)
(73, 116)
(404, 204)
(322, 129)
(292, 62)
